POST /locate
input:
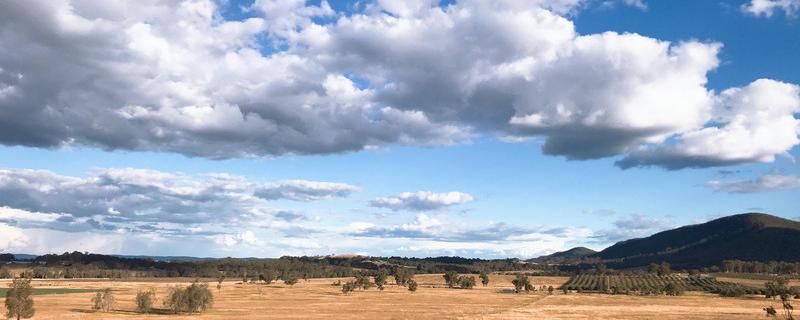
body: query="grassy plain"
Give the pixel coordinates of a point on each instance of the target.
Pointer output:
(317, 299)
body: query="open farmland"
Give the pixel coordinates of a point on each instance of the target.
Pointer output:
(318, 299)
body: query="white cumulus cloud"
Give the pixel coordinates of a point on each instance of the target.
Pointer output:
(767, 8)
(297, 78)
(421, 200)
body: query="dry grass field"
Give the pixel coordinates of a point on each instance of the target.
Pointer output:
(317, 299)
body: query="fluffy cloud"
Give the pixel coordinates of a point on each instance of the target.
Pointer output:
(764, 183)
(751, 124)
(176, 77)
(303, 79)
(421, 201)
(148, 200)
(767, 8)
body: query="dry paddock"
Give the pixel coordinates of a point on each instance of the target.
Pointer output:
(317, 299)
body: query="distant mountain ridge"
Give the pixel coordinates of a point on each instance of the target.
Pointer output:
(748, 236)
(574, 255)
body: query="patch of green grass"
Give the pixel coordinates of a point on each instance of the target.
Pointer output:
(41, 291)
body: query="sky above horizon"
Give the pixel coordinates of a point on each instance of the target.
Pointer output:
(418, 128)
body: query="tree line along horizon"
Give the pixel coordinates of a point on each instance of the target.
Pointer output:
(87, 265)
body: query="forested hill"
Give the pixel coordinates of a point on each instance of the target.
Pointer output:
(749, 236)
(574, 255)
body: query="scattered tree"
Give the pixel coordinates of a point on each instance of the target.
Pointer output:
(145, 300)
(771, 312)
(19, 303)
(466, 282)
(362, 281)
(550, 289)
(451, 279)
(521, 282)
(289, 279)
(267, 276)
(348, 287)
(402, 275)
(380, 278)
(194, 298)
(412, 285)
(484, 278)
(103, 300)
(220, 279)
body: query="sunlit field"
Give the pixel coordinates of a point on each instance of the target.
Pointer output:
(319, 299)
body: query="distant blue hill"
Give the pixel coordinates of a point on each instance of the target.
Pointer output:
(164, 258)
(22, 256)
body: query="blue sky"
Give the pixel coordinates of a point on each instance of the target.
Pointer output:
(417, 174)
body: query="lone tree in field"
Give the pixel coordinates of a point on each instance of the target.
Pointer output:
(412, 285)
(466, 282)
(289, 279)
(144, 300)
(771, 312)
(19, 303)
(348, 287)
(362, 281)
(521, 282)
(402, 275)
(484, 278)
(267, 277)
(220, 279)
(380, 278)
(451, 279)
(194, 298)
(103, 300)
